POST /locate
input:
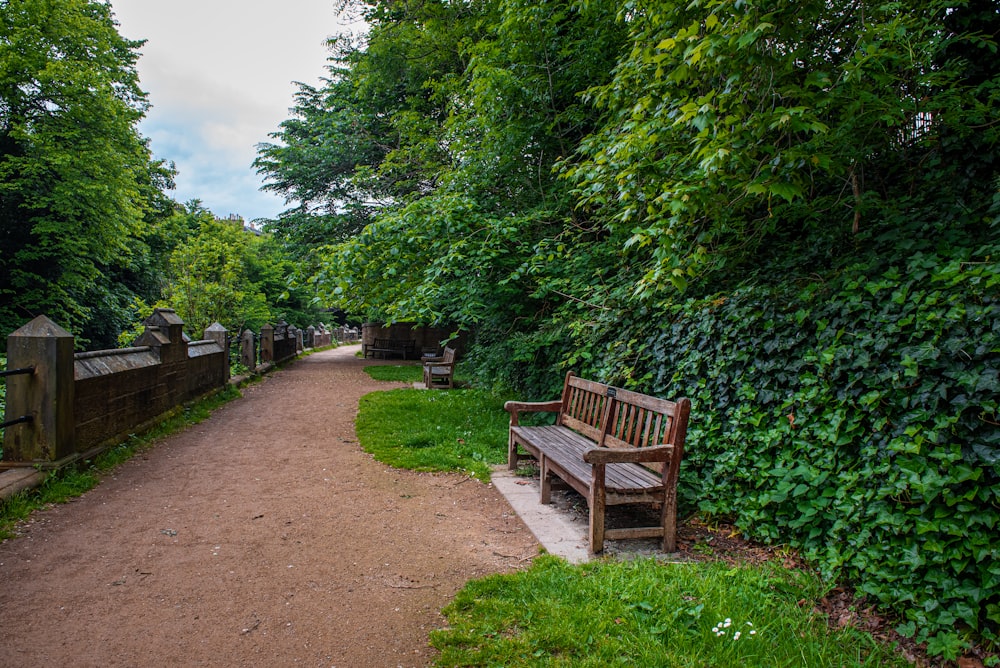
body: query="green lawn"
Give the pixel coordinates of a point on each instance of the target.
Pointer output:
(399, 373)
(430, 430)
(606, 613)
(648, 613)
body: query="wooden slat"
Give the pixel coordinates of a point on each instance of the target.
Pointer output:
(633, 532)
(590, 432)
(565, 448)
(633, 424)
(591, 386)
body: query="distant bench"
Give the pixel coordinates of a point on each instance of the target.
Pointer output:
(439, 372)
(385, 348)
(614, 447)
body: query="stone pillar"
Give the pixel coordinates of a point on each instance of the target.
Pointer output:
(46, 395)
(266, 344)
(299, 344)
(216, 332)
(165, 333)
(310, 338)
(248, 354)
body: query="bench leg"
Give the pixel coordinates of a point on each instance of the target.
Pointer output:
(545, 480)
(597, 505)
(668, 516)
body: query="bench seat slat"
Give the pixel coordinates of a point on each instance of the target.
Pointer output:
(567, 448)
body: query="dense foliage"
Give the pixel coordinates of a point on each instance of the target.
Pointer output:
(213, 270)
(787, 210)
(76, 180)
(88, 236)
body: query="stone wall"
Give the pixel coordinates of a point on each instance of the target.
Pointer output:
(426, 339)
(80, 402)
(73, 403)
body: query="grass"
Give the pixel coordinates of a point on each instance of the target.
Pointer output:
(72, 481)
(423, 430)
(647, 613)
(605, 613)
(396, 373)
(407, 373)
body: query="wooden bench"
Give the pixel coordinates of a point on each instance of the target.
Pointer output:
(439, 372)
(385, 347)
(613, 446)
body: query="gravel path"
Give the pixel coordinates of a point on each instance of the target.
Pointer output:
(263, 536)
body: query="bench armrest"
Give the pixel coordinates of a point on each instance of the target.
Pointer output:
(439, 364)
(515, 408)
(656, 453)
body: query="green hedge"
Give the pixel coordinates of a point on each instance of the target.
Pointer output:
(857, 421)
(850, 413)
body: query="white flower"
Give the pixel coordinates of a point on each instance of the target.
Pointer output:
(736, 636)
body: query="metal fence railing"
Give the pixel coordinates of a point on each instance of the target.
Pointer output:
(24, 418)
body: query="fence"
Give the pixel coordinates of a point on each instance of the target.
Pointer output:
(277, 343)
(62, 406)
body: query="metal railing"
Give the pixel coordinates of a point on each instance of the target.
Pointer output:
(17, 372)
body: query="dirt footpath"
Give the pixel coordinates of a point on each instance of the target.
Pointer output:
(262, 537)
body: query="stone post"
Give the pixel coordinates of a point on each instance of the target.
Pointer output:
(310, 338)
(216, 332)
(46, 395)
(248, 354)
(299, 344)
(266, 344)
(165, 333)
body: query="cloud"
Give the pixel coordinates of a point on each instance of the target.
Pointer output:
(220, 77)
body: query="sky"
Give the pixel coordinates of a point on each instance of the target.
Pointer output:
(220, 77)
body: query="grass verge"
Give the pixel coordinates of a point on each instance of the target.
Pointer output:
(72, 481)
(406, 373)
(647, 613)
(458, 430)
(396, 373)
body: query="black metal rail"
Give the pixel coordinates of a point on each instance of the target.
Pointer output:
(17, 372)
(24, 419)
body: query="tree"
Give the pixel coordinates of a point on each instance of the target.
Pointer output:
(76, 178)
(734, 128)
(218, 272)
(448, 124)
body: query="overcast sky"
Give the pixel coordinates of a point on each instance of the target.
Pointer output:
(219, 74)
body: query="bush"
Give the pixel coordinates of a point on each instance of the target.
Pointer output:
(857, 421)
(852, 416)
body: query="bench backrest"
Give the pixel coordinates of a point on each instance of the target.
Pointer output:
(448, 357)
(618, 418)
